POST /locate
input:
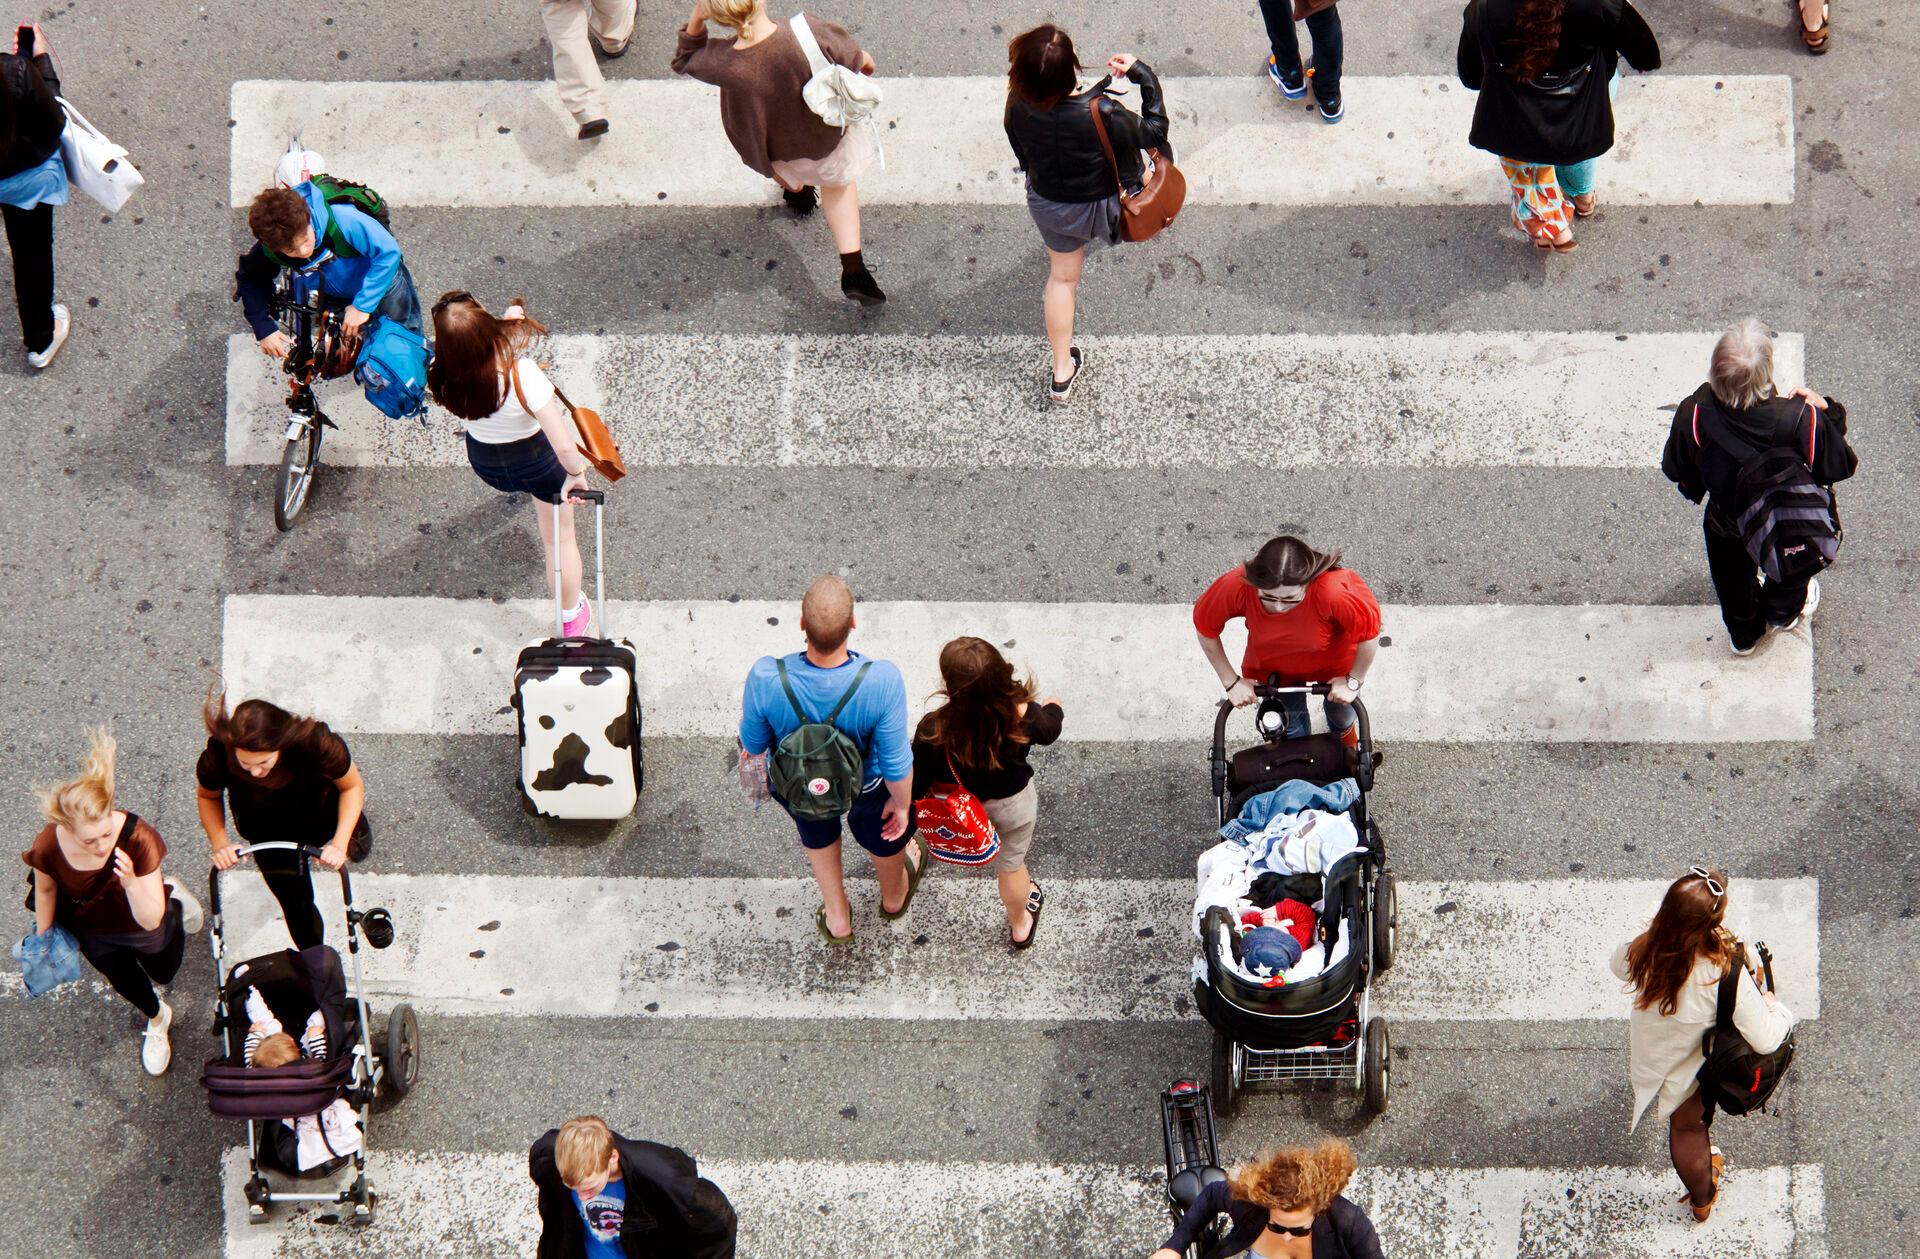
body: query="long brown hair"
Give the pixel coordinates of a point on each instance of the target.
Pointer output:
(982, 711)
(1537, 23)
(1296, 1178)
(1685, 931)
(1287, 561)
(1042, 66)
(254, 725)
(473, 354)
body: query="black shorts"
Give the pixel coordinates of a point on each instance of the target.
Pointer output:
(527, 466)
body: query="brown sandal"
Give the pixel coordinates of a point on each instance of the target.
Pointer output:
(1700, 1213)
(1585, 207)
(1566, 246)
(1816, 40)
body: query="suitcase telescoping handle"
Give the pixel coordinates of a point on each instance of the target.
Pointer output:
(599, 500)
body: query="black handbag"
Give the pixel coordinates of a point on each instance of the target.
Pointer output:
(1735, 1077)
(1566, 113)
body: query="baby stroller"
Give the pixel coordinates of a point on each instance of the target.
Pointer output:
(294, 985)
(1193, 1153)
(1319, 1030)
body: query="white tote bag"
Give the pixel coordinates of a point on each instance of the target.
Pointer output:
(96, 165)
(841, 95)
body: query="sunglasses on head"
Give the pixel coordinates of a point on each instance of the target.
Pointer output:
(1713, 883)
(1291, 1230)
(448, 299)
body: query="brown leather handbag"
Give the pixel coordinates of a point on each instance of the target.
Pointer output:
(596, 440)
(1303, 9)
(1143, 213)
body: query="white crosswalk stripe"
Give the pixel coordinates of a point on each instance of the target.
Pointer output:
(1451, 400)
(1593, 673)
(1117, 949)
(481, 1206)
(498, 143)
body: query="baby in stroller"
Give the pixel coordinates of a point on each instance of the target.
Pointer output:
(305, 1145)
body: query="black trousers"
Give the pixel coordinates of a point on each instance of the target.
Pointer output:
(133, 973)
(291, 884)
(1746, 606)
(30, 238)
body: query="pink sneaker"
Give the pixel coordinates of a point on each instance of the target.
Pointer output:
(580, 622)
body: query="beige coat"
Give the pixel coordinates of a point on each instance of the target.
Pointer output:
(1665, 1048)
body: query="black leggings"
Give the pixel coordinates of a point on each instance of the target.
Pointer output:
(292, 886)
(30, 240)
(133, 973)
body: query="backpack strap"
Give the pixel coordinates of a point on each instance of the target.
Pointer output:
(787, 686)
(858, 677)
(1696, 424)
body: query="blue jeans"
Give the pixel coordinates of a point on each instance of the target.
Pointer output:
(1324, 26)
(1340, 717)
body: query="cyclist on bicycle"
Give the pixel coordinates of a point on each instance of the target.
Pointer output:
(348, 253)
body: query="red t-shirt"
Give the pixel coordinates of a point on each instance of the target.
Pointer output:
(1314, 642)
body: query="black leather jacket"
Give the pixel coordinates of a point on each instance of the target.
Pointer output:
(1060, 151)
(38, 119)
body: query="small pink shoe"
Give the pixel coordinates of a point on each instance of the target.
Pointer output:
(577, 625)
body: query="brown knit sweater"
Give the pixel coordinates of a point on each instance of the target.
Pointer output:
(760, 103)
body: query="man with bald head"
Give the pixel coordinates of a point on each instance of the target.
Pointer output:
(866, 700)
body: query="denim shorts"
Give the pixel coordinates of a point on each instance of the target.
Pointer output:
(527, 466)
(863, 820)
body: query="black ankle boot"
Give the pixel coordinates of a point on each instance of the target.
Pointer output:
(802, 203)
(860, 286)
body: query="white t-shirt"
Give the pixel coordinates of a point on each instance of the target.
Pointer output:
(512, 422)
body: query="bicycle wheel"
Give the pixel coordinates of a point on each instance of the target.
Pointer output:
(295, 482)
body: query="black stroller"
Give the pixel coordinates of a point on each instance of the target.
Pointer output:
(1193, 1153)
(294, 985)
(1319, 1030)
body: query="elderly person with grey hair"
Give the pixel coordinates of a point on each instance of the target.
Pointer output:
(1736, 415)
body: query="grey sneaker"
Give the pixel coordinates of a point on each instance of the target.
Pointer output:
(62, 325)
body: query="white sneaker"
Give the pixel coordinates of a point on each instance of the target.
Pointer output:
(62, 325)
(156, 1051)
(1806, 609)
(1741, 651)
(192, 917)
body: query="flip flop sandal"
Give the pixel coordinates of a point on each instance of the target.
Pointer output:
(1036, 901)
(820, 923)
(914, 875)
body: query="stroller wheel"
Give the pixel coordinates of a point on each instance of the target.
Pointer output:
(402, 1056)
(1226, 1080)
(1386, 921)
(1378, 1067)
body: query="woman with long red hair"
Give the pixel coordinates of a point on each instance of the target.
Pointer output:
(1674, 969)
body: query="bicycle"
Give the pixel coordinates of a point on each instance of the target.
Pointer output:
(322, 350)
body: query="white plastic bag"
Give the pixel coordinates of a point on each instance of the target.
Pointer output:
(96, 165)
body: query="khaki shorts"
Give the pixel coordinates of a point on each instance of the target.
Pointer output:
(1014, 817)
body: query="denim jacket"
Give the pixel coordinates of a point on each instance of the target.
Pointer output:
(1290, 797)
(48, 960)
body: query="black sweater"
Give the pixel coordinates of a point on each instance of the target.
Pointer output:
(1042, 726)
(1709, 442)
(1060, 151)
(1344, 1232)
(1518, 120)
(30, 119)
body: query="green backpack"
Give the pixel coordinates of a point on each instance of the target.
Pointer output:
(341, 192)
(818, 769)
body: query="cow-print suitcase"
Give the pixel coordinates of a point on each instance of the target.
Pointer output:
(578, 701)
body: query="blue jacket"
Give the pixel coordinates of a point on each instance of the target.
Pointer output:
(360, 282)
(48, 960)
(875, 718)
(1290, 797)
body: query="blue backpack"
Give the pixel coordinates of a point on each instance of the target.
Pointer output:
(392, 368)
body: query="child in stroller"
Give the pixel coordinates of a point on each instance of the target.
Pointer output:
(1274, 1024)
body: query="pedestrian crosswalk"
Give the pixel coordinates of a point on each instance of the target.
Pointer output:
(479, 1206)
(1507, 950)
(1447, 400)
(500, 143)
(1118, 949)
(1127, 672)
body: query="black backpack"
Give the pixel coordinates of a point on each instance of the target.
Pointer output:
(1734, 1077)
(1788, 522)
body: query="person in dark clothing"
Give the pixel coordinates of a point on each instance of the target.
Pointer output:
(981, 737)
(605, 1197)
(1546, 71)
(1289, 1203)
(1736, 415)
(285, 778)
(33, 180)
(1072, 192)
(1322, 74)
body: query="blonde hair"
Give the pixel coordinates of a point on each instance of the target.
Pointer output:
(89, 796)
(1296, 1178)
(276, 1050)
(1741, 374)
(732, 14)
(582, 1149)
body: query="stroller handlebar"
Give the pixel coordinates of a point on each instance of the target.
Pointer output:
(275, 845)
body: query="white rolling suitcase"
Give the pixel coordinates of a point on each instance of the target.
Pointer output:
(578, 701)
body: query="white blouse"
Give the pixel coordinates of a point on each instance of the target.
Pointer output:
(513, 422)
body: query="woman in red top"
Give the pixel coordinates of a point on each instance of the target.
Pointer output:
(1308, 620)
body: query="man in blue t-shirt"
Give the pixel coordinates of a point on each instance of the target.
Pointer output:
(875, 718)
